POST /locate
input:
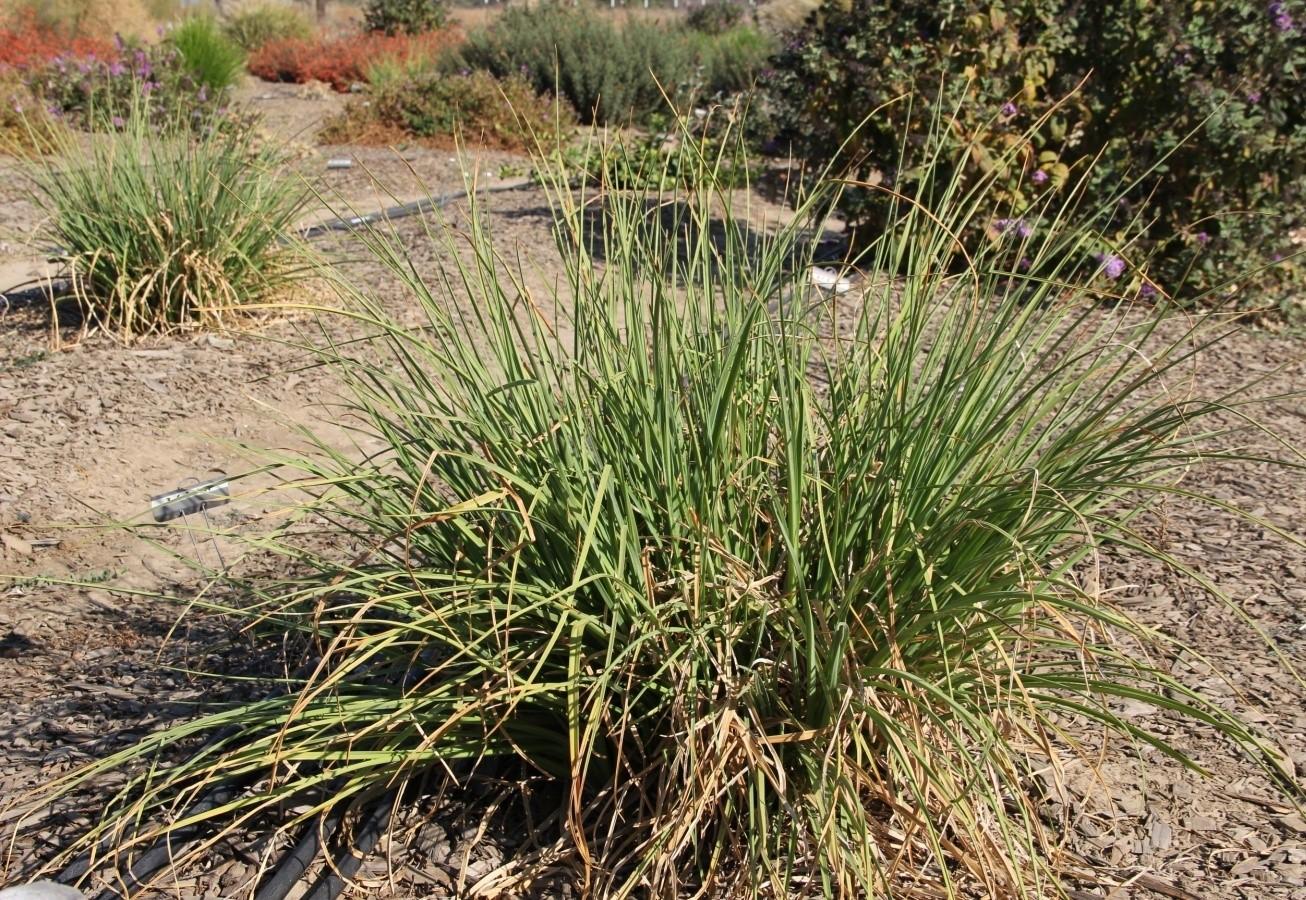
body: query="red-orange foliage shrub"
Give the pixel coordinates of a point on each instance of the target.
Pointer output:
(344, 60)
(25, 42)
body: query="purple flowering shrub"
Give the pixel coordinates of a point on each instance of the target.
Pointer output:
(98, 94)
(1195, 111)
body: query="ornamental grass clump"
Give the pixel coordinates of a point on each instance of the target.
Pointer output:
(161, 225)
(781, 592)
(212, 58)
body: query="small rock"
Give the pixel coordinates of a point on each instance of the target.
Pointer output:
(41, 890)
(829, 280)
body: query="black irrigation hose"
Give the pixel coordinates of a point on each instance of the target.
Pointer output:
(426, 204)
(21, 297)
(296, 862)
(332, 881)
(289, 869)
(163, 848)
(163, 852)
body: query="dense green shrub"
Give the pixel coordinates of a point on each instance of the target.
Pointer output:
(715, 17)
(731, 61)
(250, 27)
(164, 226)
(611, 73)
(607, 73)
(213, 59)
(404, 16)
(1199, 105)
(735, 607)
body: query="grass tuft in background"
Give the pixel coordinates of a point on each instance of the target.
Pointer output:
(166, 226)
(212, 58)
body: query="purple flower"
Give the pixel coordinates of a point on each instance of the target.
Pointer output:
(117, 69)
(1112, 266)
(1009, 109)
(148, 87)
(1039, 177)
(118, 122)
(118, 42)
(1253, 97)
(1025, 263)
(1282, 18)
(1019, 226)
(1203, 238)
(1147, 291)
(84, 68)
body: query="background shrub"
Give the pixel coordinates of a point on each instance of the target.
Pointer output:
(250, 27)
(150, 80)
(504, 113)
(404, 16)
(27, 41)
(715, 16)
(213, 60)
(26, 125)
(602, 70)
(163, 226)
(95, 19)
(344, 61)
(609, 72)
(730, 62)
(1198, 108)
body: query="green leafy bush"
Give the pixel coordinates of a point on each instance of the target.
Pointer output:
(213, 59)
(250, 27)
(404, 16)
(755, 602)
(715, 17)
(1197, 107)
(164, 226)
